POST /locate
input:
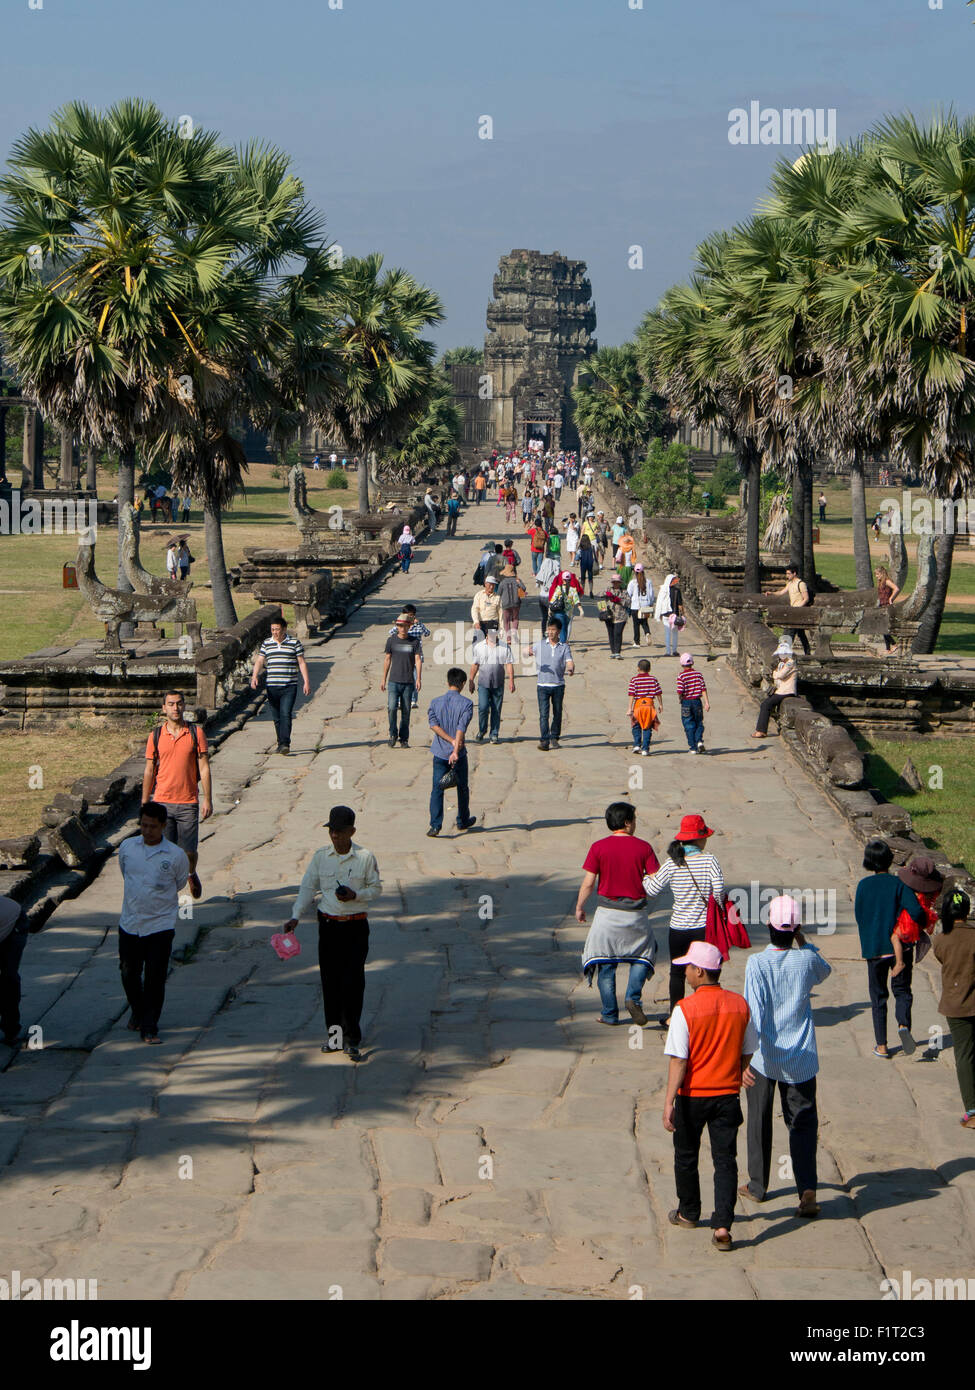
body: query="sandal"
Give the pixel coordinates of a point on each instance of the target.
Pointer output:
(744, 1191)
(675, 1219)
(884, 1056)
(722, 1243)
(808, 1206)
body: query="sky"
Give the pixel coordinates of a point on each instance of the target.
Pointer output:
(609, 119)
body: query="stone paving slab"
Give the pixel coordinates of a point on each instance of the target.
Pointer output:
(238, 1161)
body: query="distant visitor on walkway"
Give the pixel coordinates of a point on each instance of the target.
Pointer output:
(954, 948)
(692, 875)
(402, 672)
(880, 899)
(282, 657)
(344, 877)
(448, 717)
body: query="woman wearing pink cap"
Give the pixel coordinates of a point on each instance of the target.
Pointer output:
(692, 875)
(778, 986)
(612, 610)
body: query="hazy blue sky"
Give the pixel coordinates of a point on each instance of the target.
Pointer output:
(610, 123)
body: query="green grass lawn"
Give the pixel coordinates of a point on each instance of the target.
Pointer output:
(942, 811)
(38, 612)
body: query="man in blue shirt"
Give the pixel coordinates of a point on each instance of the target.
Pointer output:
(778, 985)
(554, 659)
(448, 717)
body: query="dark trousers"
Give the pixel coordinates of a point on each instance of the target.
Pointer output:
(342, 951)
(440, 766)
(452, 523)
(586, 569)
(550, 698)
(11, 950)
(802, 1121)
(723, 1117)
(798, 633)
(144, 963)
(767, 706)
(963, 1046)
(638, 625)
(616, 636)
(822, 513)
(878, 969)
(543, 609)
(692, 718)
(677, 944)
(282, 698)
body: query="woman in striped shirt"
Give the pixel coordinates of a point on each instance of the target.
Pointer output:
(693, 875)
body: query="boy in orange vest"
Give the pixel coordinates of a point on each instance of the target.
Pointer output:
(710, 1043)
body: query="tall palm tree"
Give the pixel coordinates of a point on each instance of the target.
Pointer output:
(385, 365)
(616, 408)
(913, 296)
(105, 199)
(432, 440)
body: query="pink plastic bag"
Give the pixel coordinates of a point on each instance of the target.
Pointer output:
(286, 944)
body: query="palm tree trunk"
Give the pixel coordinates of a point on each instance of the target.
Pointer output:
(363, 481)
(797, 516)
(930, 628)
(91, 471)
(223, 603)
(808, 551)
(861, 540)
(750, 466)
(126, 493)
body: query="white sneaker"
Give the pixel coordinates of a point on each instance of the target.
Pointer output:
(644, 752)
(692, 750)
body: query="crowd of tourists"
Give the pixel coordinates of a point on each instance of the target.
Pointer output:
(718, 1042)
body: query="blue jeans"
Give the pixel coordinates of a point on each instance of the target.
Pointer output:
(606, 979)
(282, 698)
(537, 558)
(407, 554)
(692, 718)
(399, 696)
(489, 703)
(440, 766)
(641, 737)
(563, 621)
(550, 699)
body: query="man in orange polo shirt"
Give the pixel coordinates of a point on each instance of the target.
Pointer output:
(177, 768)
(710, 1043)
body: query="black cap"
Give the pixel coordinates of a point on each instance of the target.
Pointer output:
(341, 818)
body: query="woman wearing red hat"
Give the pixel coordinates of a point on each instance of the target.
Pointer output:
(693, 875)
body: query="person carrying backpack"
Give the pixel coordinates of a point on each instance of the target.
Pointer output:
(177, 767)
(453, 512)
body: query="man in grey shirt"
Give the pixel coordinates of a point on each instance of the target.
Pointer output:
(492, 664)
(555, 662)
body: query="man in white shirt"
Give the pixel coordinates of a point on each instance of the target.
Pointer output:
(558, 483)
(153, 872)
(346, 877)
(492, 664)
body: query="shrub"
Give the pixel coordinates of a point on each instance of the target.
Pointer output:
(725, 480)
(337, 478)
(664, 483)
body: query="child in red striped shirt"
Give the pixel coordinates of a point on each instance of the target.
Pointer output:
(691, 691)
(645, 694)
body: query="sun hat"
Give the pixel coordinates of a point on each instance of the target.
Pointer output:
(783, 913)
(701, 954)
(784, 648)
(490, 579)
(566, 574)
(619, 521)
(693, 828)
(637, 569)
(405, 618)
(614, 578)
(687, 659)
(922, 875)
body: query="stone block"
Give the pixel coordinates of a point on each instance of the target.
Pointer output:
(444, 1259)
(19, 852)
(92, 789)
(62, 805)
(72, 843)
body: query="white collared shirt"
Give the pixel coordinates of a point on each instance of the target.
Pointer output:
(358, 870)
(152, 876)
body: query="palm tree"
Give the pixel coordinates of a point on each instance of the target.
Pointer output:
(912, 296)
(385, 365)
(431, 444)
(105, 199)
(616, 408)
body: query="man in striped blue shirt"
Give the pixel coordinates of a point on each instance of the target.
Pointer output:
(778, 985)
(284, 659)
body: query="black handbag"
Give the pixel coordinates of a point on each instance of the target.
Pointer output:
(449, 779)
